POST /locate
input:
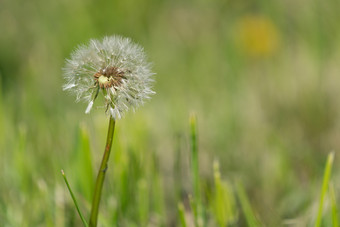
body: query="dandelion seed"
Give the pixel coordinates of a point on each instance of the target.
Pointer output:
(115, 68)
(89, 107)
(68, 86)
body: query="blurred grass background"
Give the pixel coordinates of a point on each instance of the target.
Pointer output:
(262, 77)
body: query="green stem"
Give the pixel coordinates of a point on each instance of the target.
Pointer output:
(101, 174)
(74, 199)
(197, 205)
(182, 214)
(324, 188)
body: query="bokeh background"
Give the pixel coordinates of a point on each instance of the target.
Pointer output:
(261, 76)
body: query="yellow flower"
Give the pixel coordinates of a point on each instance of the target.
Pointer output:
(257, 36)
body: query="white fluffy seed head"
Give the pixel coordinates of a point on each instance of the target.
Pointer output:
(113, 67)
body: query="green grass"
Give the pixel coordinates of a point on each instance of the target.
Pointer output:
(182, 214)
(268, 114)
(223, 205)
(74, 199)
(197, 208)
(324, 190)
(335, 218)
(246, 207)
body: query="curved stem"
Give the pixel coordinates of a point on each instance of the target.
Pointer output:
(101, 174)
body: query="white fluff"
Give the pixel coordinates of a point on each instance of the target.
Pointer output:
(89, 107)
(112, 51)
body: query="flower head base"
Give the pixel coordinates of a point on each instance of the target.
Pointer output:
(114, 67)
(109, 77)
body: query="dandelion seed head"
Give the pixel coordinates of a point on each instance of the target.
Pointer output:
(113, 67)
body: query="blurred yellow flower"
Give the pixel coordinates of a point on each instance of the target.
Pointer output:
(257, 36)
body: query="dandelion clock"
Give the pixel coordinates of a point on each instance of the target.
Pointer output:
(116, 69)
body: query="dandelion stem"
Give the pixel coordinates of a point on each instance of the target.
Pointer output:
(101, 174)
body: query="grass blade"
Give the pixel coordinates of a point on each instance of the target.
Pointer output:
(335, 218)
(223, 201)
(182, 214)
(325, 183)
(246, 207)
(74, 199)
(143, 202)
(197, 205)
(194, 158)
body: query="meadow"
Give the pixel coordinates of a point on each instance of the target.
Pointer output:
(261, 77)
